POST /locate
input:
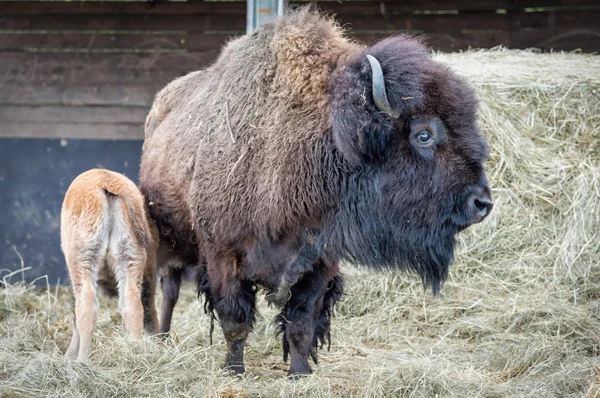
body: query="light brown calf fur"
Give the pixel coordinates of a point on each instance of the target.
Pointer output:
(105, 231)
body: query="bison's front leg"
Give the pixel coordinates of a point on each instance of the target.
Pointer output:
(299, 317)
(235, 302)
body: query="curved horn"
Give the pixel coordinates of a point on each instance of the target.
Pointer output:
(379, 93)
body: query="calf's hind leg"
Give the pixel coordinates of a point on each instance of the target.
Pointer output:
(129, 273)
(86, 307)
(73, 349)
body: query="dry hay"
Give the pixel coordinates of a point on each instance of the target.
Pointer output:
(517, 317)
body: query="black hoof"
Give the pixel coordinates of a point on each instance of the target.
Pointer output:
(298, 370)
(166, 337)
(235, 369)
(298, 375)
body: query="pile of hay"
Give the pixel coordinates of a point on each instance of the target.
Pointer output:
(519, 315)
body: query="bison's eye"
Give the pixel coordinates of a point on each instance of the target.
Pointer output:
(424, 136)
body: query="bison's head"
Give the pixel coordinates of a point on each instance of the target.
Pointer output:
(406, 127)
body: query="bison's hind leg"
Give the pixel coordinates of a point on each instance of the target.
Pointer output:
(170, 283)
(148, 291)
(147, 297)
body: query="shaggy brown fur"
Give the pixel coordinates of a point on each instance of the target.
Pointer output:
(105, 233)
(274, 164)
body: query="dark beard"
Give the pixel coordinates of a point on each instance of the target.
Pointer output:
(372, 231)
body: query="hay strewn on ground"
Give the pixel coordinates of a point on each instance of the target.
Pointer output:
(519, 315)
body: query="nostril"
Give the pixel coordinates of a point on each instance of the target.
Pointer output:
(481, 205)
(484, 207)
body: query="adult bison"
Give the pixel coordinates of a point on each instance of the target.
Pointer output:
(298, 148)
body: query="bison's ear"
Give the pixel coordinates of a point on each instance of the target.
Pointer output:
(372, 91)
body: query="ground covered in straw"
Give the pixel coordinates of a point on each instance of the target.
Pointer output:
(519, 315)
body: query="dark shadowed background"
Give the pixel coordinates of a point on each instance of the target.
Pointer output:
(34, 176)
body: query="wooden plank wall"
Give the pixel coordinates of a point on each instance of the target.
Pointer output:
(90, 69)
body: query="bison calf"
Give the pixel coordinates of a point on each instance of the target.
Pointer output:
(105, 233)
